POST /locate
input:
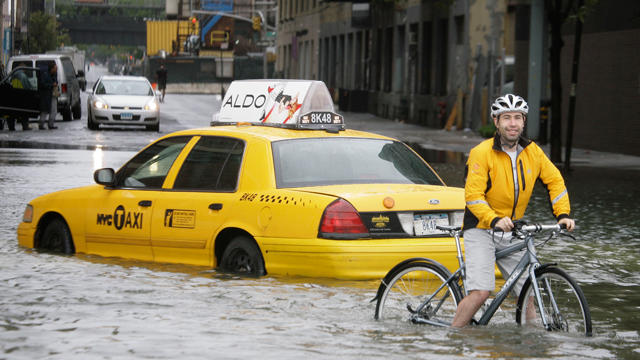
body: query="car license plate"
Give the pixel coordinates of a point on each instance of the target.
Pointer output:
(425, 224)
(126, 116)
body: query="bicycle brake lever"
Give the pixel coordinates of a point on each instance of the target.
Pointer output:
(567, 235)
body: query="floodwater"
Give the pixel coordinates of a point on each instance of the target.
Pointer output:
(89, 307)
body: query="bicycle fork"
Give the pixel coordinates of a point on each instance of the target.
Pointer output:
(536, 289)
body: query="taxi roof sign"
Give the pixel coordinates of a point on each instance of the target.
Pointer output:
(301, 104)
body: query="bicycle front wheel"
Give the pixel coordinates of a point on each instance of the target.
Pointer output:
(563, 302)
(407, 294)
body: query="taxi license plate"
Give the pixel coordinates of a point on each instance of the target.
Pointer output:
(425, 224)
(126, 116)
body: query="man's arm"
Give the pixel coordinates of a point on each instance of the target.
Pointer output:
(475, 187)
(558, 194)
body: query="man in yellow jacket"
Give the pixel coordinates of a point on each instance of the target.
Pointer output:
(500, 175)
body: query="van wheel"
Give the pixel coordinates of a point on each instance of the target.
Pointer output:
(243, 256)
(66, 113)
(57, 238)
(77, 111)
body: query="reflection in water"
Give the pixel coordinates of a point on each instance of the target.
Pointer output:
(438, 156)
(98, 158)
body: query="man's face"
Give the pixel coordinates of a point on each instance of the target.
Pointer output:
(510, 125)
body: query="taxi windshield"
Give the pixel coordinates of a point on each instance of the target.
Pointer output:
(335, 161)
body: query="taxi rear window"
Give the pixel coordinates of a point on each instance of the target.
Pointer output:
(335, 161)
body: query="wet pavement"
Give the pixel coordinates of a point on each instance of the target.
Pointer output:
(90, 307)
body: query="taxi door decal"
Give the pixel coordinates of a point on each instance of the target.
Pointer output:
(179, 218)
(121, 219)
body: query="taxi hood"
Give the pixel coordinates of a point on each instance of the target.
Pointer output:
(404, 197)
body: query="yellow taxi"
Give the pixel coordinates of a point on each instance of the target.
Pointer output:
(276, 185)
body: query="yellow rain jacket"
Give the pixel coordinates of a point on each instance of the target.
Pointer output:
(489, 186)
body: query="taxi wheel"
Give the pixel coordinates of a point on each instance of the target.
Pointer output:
(57, 238)
(243, 256)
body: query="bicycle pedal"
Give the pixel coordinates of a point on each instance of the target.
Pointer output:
(420, 320)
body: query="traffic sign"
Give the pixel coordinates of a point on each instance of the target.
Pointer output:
(265, 43)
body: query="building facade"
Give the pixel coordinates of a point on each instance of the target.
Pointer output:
(415, 60)
(404, 60)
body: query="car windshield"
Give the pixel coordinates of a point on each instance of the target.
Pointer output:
(317, 162)
(124, 87)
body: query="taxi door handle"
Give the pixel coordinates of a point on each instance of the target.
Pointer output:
(215, 206)
(145, 203)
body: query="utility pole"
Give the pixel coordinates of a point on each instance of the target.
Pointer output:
(572, 90)
(535, 68)
(263, 36)
(13, 27)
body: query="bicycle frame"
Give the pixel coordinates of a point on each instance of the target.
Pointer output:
(528, 261)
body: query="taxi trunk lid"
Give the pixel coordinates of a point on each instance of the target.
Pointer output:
(400, 210)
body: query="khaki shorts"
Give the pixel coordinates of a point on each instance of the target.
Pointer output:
(479, 249)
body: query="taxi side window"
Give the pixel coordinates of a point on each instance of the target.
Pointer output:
(148, 169)
(213, 164)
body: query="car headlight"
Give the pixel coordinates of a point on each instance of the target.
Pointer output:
(151, 105)
(99, 104)
(28, 214)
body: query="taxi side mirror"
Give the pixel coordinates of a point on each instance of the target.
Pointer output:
(105, 176)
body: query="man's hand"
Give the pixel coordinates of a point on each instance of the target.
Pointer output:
(505, 224)
(569, 223)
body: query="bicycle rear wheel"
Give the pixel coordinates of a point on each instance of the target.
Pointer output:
(563, 302)
(413, 284)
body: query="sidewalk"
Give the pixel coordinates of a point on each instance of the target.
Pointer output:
(463, 141)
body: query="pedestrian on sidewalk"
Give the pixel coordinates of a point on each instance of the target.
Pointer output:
(161, 75)
(47, 84)
(55, 93)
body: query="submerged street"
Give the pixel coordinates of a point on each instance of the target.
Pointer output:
(89, 307)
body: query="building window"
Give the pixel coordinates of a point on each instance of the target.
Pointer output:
(427, 53)
(388, 59)
(459, 29)
(441, 60)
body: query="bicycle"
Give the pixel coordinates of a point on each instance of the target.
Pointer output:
(425, 292)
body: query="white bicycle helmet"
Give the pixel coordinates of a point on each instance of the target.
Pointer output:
(509, 103)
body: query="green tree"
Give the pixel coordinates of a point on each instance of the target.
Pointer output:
(42, 33)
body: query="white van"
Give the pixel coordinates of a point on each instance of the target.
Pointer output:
(69, 100)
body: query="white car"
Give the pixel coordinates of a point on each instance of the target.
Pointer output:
(69, 102)
(123, 100)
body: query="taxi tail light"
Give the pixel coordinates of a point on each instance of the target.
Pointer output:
(341, 221)
(63, 88)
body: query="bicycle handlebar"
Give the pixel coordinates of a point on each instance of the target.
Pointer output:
(518, 227)
(542, 227)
